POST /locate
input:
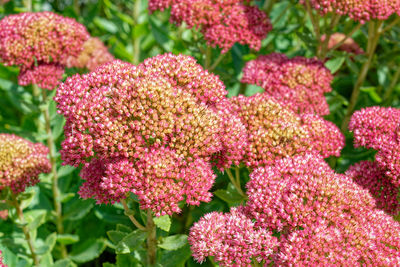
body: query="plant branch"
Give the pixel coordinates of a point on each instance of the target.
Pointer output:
(136, 39)
(216, 62)
(347, 36)
(323, 48)
(373, 38)
(314, 21)
(131, 217)
(53, 161)
(25, 229)
(151, 240)
(388, 94)
(391, 25)
(235, 184)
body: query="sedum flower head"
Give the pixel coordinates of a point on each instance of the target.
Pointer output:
(94, 54)
(125, 118)
(21, 162)
(223, 23)
(302, 191)
(45, 75)
(324, 218)
(359, 10)
(299, 83)
(378, 128)
(231, 238)
(275, 131)
(349, 45)
(31, 39)
(370, 176)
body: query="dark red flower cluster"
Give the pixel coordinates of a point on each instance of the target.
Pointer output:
(40, 43)
(359, 10)
(223, 23)
(274, 131)
(299, 82)
(21, 162)
(370, 176)
(150, 129)
(378, 128)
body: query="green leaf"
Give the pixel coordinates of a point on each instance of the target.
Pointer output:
(173, 242)
(127, 260)
(175, 258)
(64, 263)
(87, 250)
(130, 242)
(51, 241)
(58, 123)
(334, 64)
(124, 228)
(163, 222)
(371, 91)
(229, 196)
(35, 218)
(116, 236)
(78, 209)
(253, 89)
(65, 170)
(46, 260)
(67, 239)
(105, 25)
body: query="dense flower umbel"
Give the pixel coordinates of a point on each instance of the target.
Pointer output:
(299, 83)
(370, 176)
(310, 204)
(275, 131)
(359, 10)
(302, 191)
(378, 128)
(354, 244)
(21, 162)
(29, 39)
(45, 75)
(231, 238)
(349, 44)
(125, 118)
(223, 23)
(94, 54)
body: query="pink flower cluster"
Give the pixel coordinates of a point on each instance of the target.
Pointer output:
(1, 261)
(324, 218)
(149, 129)
(378, 128)
(274, 131)
(44, 75)
(231, 238)
(94, 54)
(223, 23)
(31, 40)
(370, 176)
(21, 162)
(349, 45)
(299, 83)
(359, 10)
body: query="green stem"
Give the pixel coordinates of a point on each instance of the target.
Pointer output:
(25, 229)
(268, 4)
(151, 240)
(53, 161)
(131, 217)
(374, 33)
(324, 46)
(314, 20)
(392, 24)
(216, 62)
(136, 40)
(235, 184)
(208, 55)
(28, 5)
(77, 8)
(242, 89)
(388, 94)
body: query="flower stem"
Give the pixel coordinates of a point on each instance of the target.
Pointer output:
(347, 36)
(387, 98)
(208, 55)
(314, 20)
(25, 229)
(131, 217)
(216, 62)
(323, 48)
(136, 39)
(391, 25)
(53, 161)
(235, 183)
(151, 240)
(373, 38)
